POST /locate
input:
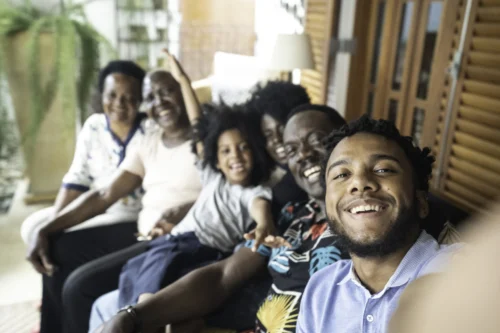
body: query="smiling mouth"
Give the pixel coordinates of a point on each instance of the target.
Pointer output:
(280, 151)
(312, 174)
(237, 167)
(366, 209)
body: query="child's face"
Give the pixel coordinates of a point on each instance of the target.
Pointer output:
(234, 157)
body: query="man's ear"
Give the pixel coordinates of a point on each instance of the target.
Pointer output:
(423, 204)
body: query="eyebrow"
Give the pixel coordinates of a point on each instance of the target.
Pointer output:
(376, 157)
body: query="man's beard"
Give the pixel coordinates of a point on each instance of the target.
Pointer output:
(394, 239)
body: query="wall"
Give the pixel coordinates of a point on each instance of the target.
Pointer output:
(209, 26)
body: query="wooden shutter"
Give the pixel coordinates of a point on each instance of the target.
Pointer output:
(318, 25)
(470, 149)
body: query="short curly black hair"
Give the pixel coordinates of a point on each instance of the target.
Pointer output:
(126, 67)
(333, 114)
(277, 99)
(420, 159)
(218, 118)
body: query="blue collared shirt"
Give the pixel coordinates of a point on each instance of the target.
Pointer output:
(335, 300)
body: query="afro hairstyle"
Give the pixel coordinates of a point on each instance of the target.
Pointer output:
(420, 159)
(216, 119)
(277, 99)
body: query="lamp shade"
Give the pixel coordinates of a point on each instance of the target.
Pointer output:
(292, 52)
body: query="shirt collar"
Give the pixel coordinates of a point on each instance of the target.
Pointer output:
(407, 270)
(316, 211)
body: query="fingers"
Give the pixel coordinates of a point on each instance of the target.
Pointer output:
(259, 239)
(250, 235)
(47, 263)
(276, 241)
(156, 232)
(37, 264)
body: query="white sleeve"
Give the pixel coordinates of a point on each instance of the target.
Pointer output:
(78, 176)
(250, 194)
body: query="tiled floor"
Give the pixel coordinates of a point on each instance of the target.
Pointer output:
(18, 281)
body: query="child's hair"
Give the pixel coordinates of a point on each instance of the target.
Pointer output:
(216, 119)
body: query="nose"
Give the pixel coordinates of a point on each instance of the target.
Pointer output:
(305, 153)
(363, 181)
(158, 99)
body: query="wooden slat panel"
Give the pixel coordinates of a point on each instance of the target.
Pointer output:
(473, 183)
(480, 116)
(485, 175)
(481, 88)
(480, 102)
(483, 44)
(487, 30)
(487, 3)
(481, 131)
(481, 146)
(465, 194)
(460, 202)
(484, 59)
(320, 18)
(488, 14)
(485, 74)
(485, 161)
(308, 81)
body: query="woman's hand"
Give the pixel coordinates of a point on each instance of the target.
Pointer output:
(173, 66)
(38, 254)
(162, 227)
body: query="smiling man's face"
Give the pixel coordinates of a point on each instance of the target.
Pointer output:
(304, 145)
(370, 195)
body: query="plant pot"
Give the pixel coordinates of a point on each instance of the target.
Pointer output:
(48, 154)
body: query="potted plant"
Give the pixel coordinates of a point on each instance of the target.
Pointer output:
(50, 59)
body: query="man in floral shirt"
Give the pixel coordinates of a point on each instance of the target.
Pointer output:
(307, 245)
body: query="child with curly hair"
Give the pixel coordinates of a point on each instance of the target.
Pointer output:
(233, 164)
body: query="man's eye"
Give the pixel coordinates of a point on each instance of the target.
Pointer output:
(340, 176)
(385, 171)
(290, 151)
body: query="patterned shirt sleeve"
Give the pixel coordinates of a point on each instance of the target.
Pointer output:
(78, 176)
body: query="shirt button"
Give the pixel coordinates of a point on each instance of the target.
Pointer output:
(369, 318)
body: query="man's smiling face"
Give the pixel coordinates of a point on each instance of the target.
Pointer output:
(370, 195)
(304, 144)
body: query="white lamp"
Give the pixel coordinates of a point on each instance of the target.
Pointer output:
(292, 52)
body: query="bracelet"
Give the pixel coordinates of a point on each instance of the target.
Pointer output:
(132, 313)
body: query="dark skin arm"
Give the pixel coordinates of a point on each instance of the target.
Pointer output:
(193, 296)
(169, 220)
(64, 197)
(86, 206)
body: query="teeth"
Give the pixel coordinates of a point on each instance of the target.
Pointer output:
(366, 208)
(280, 150)
(310, 171)
(236, 166)
(164, 113)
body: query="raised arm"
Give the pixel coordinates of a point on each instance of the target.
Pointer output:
(193, 296)
(193, 108)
